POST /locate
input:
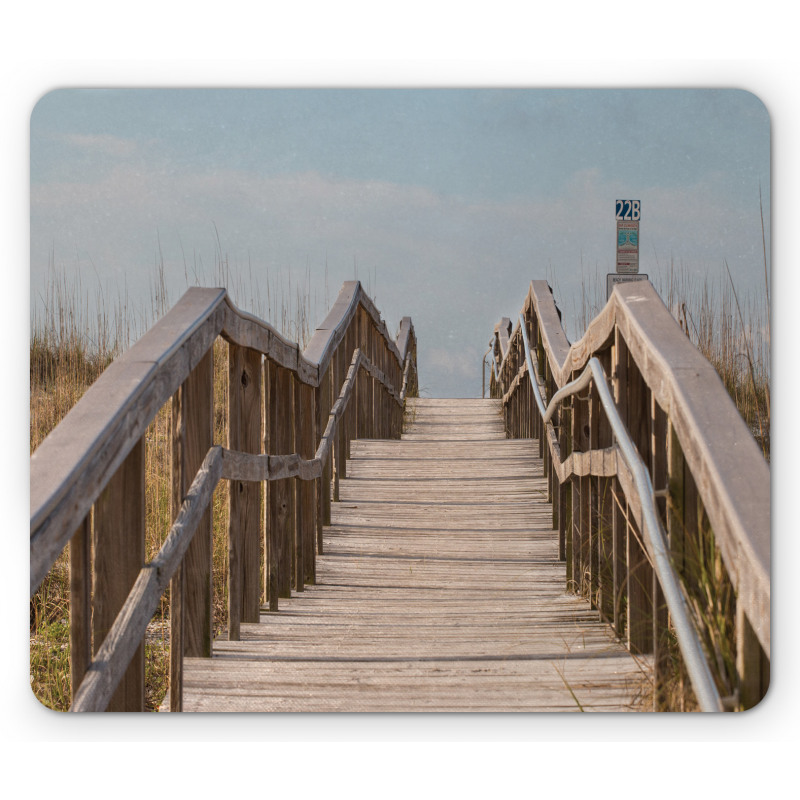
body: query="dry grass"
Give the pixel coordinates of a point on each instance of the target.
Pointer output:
(73, 339)
(730, 329)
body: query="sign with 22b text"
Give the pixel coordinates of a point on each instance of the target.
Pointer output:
(628, 215)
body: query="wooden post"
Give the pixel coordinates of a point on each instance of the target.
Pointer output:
(324, 410)
(565, 490)
(339, 372)
(119, 533)
(191, 589)
(658, 469)
(620, 559)
(349, 417)
(605, 508)
(619, 520)
(752, 665)
(307, 498)
(280, 537)
(640, 573)
(305, 526)
(244, 434)
(80, 603)
(581, 500)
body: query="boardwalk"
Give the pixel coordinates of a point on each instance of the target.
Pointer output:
(439, 590)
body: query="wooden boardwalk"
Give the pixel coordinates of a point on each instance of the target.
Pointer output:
(439, 589)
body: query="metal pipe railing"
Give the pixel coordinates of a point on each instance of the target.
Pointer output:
(654, 534)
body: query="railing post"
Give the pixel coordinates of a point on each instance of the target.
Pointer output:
(362, 396)
(605, 510)
(119, 534)
(659, 467)
(191, 589)
(339, 370)
(565, 538)
(323, 413)
(244, 434)
(80, 603)
(304, 527)
(640, 572)
(752, 666)
(581, 501)
(620, 511)
(280, 535)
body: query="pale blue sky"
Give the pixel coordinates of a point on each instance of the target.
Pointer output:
(446, 202)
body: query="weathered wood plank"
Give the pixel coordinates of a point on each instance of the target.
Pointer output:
(244, 522)
(119, 519)
(392, 623)
(80, 603)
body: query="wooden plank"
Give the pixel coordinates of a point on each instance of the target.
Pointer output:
(244, 525)
(80, 603)
(323, 409)
(392, 623)
(640, 577)
(119, 520)
(191, 590)
(281, 497)
(195, 437)
(306, 499)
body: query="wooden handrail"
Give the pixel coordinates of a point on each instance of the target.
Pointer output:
(75, 461)
(688, 402)
(119, 646)
(75, 464)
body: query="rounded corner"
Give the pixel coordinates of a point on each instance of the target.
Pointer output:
(752, 96)
(42, 706)
(37, 103)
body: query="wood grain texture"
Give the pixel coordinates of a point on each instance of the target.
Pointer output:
(439, 589)
(77, 459)
(732, 478)
(119, 520)
(244, 525)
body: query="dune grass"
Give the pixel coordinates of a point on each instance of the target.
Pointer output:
(75, 335)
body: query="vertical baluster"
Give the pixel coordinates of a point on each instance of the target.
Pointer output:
(565, 490)
(659, 471)
(337, 377)
(605, 545)
(119, 532)
(752, 665)
(244, 434)
(640, 573)
(323, 410)
(191, 590)
(306, 499)
(280, 495)
(619, 520)
(80, 603)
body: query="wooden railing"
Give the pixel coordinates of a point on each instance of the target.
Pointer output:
(711, 485)
(291, 417)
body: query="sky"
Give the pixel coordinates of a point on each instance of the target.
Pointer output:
(445, 203)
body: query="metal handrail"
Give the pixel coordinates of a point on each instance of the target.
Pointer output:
(654, 534)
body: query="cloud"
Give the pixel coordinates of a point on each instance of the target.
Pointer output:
(102, 144)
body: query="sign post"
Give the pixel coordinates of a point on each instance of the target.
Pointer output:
(628, 213)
